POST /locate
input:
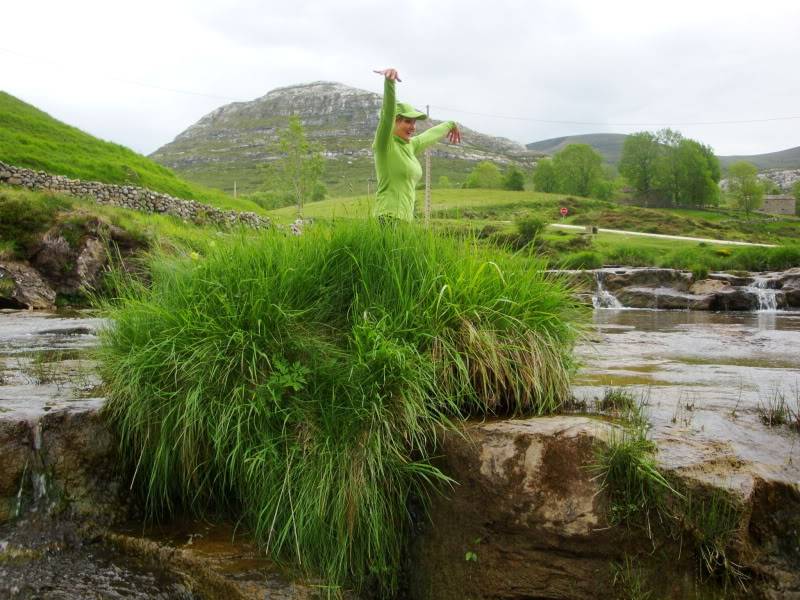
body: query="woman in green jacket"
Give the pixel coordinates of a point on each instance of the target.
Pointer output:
(395, 149)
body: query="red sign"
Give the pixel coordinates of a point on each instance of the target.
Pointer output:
(564, 211)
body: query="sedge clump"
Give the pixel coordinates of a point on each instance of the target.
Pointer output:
(301, 381)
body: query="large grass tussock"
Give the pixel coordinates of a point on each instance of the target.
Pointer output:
(302, 381)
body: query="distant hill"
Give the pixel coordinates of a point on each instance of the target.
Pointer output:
(784, 159)
(33, 139)
(236, 141)
(609, 145)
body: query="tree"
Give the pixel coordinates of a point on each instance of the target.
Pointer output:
(444, 182)
(514, 180)
(639, 163)
(544, 176)
(484, 175)
(796, 190)
(578, 168)
(299, 169)
(744, 187)
(698, 175)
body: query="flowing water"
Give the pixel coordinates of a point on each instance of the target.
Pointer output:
(45, 364)
(704, 375)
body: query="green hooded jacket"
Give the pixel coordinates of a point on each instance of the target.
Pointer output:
(396, 164)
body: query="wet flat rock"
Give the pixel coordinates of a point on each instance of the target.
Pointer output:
(212, 561)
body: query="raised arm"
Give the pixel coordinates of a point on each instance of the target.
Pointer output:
(386, 122)
(434, 134)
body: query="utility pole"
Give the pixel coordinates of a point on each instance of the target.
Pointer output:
(427, 176)
(234, 188)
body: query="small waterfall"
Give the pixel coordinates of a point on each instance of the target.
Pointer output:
(602, 297)
(767, 299)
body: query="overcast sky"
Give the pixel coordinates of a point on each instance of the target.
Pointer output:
(503, 67)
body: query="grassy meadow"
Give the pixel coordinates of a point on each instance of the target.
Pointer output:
(495, 216)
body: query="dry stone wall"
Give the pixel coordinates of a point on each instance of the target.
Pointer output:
(128, 196)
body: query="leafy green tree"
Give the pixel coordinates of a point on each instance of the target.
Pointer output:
(444, 182)
(484, 175)
(687, 172)
(796, 190)
(698, 175)
(639, 163)
(514, 180)
(578, 168)
(744, 187)
(301, 164)
(544, 176)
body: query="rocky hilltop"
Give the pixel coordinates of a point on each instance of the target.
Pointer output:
(235, 141)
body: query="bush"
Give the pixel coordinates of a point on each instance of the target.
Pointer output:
(514, 180)
(633, 256)
(305, 387)
(582, 260)
(529, 228)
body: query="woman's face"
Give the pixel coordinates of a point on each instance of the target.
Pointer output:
(405, 127)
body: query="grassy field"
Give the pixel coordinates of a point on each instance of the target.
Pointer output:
(493, 215)
(33, 139)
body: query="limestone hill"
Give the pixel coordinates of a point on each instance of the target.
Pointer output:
(237, 141)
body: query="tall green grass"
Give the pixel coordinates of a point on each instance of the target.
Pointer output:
(302, 381)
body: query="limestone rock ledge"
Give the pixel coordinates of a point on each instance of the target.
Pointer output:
(527, 519)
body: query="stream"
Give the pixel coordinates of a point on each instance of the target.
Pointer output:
(707, 376)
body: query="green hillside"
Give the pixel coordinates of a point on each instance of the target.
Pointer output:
(609, 145)
(33, 139)
(784, 159)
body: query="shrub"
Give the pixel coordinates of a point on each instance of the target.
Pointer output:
(582, 260)
(529, 228)
(633, 256)
(305, 387)
(514, 180)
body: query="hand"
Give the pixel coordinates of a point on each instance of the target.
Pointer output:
(454, 135)
(390, 74)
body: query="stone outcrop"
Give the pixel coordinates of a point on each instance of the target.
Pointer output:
(524, 520)
(21, 286)
(527, 518)
(132, 197)
(676, 289)
(59, 266)
(63, 460)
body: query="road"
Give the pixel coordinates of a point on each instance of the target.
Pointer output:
(664, 236)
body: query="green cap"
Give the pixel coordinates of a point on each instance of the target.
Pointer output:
(409, 112)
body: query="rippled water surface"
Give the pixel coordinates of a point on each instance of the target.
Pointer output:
(705, 375)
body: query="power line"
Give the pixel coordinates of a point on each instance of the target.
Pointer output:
(444, 108)
(607, 124)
